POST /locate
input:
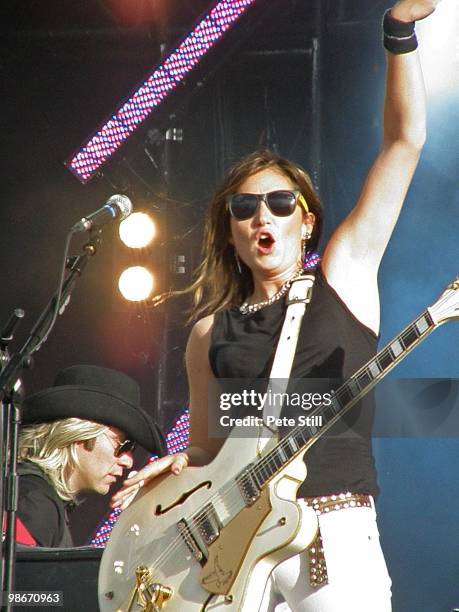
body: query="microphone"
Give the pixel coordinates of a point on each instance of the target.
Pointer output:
(117, 207)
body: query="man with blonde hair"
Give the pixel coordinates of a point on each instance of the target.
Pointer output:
(76, 436)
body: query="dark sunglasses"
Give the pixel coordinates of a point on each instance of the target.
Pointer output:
(127, 446)
(281, 203)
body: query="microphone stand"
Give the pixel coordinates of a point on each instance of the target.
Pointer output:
(6, 408)
(9, 437)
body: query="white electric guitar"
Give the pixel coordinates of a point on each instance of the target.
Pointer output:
(207, 540)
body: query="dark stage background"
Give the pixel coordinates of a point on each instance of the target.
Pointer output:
(305, 77)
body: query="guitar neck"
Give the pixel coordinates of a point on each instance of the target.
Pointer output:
(348, 394)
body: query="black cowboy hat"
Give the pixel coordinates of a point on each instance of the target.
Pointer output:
(95, 394)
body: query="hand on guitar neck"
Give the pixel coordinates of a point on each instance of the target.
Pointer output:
(170, 463)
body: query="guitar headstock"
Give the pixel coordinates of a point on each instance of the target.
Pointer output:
(446, 308)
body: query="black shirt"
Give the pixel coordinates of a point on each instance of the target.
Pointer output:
(332, 344)
(41, 509)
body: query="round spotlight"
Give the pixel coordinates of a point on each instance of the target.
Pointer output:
(137, 230)
(136, 284)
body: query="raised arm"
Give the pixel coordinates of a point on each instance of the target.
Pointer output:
(352, 257)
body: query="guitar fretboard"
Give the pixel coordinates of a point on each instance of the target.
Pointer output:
(342, 400)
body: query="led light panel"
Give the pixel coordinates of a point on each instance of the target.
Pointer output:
(155, 89)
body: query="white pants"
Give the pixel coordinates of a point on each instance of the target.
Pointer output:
(358, 580)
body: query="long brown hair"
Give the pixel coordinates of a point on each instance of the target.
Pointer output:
(217, 283)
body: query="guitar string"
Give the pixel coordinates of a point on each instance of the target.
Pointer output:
(267, 462)
(198, 519)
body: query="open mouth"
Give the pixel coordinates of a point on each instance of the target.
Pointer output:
(265, 242)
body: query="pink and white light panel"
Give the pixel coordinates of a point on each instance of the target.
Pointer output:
(155, 89)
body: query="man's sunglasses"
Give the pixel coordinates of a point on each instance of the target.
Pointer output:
(281, 203)
(127, 446)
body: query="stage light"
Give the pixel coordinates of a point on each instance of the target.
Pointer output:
(439, 48)
(156, 88)
(136, 284)
(137, 231)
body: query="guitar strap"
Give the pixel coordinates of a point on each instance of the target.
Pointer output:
(299, 296)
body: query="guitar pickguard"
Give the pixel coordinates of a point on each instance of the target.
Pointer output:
(227, 552)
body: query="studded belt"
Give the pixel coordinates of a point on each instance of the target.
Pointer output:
(323, 505)
(329, 503)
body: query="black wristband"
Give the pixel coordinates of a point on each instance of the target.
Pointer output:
(399, 36)
(395, 27)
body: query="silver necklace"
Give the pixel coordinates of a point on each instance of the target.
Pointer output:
(247, 308)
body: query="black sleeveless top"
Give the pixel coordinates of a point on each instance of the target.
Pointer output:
(332, 344)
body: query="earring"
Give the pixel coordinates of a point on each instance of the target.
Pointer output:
(238, 262)
(305, 236)
(303, 250)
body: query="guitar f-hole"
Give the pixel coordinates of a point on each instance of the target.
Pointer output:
(182, 499)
